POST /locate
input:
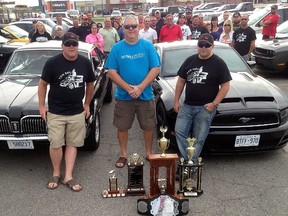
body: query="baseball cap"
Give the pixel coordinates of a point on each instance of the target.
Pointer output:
(188, 10)
(157, 11)
(69, 36)
(206, 38)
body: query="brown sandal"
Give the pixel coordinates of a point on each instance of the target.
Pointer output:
(71, 183)
(122, 161)
(55, 180)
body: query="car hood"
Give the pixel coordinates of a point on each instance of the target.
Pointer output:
(247, 92)
(19, 96)
(273, 44)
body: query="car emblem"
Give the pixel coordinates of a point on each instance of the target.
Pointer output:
(15, 126)
(244, 120)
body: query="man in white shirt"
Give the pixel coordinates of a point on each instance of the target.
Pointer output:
(148, 33)
(186, 32)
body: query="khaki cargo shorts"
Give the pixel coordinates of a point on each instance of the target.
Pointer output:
(67, 130)
(125, 111)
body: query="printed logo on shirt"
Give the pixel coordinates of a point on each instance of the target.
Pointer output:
(241, 37)
(41, 39)
(135, 56)
(71, 80)
(195, 34)
(197, 76)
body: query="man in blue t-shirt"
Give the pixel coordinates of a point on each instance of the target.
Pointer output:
(133, 64)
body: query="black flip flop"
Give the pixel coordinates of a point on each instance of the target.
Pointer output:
(121, 160)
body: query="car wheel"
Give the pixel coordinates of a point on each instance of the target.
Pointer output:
(108, 96)
(93, 140)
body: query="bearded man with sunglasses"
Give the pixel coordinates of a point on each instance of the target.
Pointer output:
(70, 77)
(202, 74)
(133, 64)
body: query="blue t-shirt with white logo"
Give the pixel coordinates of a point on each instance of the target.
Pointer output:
(133, 63)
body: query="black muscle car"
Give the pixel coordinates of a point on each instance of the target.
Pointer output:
(21, 126)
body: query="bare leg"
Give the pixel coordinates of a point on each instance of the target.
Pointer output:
(148, 138)
(70, 158)
(56, 158)
(123, 140)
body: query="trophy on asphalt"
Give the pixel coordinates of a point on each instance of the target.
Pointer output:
(190, 172)
(163, 143)
(113, 190)
(135, 175)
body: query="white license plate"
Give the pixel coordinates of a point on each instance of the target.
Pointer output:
(248, 140)
(20, 144)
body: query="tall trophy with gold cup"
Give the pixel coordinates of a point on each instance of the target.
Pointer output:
(163, 143)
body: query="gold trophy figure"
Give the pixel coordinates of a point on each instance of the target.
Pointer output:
(190, 149)
(162, 184)
(163, 143)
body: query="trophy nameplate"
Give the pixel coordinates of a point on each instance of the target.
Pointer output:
(113, 190)
(135, 166)
(188, 174)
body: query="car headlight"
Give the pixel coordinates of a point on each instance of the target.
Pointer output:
(284, 116)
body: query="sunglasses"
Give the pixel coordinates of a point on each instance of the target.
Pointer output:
(227, 25)
(71, 43)
(130, 26)
(202, 45)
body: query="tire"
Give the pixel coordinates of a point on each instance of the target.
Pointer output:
(93, 140)
(108, 96)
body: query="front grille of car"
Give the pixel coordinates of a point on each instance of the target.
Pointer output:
(27, 124)
(264, 52)
(245, 122)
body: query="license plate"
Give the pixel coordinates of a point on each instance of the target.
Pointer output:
(20, 144)
(248, 140)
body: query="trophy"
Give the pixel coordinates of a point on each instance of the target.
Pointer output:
(187, 173)
(162, 185)
(113, 190)
(163, 143)
(135, 175)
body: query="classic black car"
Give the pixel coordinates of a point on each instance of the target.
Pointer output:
(252, 117)
(21, 125)
(272, 54)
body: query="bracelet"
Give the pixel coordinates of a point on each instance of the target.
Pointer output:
(215, 104)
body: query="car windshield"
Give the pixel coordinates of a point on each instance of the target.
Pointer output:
(283, 28)
(31, 62)
(17, 31)
(255, 17)
(170, 68)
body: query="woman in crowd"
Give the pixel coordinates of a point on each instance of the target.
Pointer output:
(95, 38)
(119, 29)
(215, 30)
(227, 34)
(99, 25)
(40, 35)
(59, 33)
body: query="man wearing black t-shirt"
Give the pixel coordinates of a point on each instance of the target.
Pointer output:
(202, 74)
(67, 75)
(244, 39)
(196, 28)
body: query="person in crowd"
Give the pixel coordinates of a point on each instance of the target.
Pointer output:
(153, 25)
(75, 26)
(227, 34)
(59, 33)
(188, 15)
(84, 29)
(40, 35)
(236, 20)
(141, 23)
(226, 15)
(244, 39)
(32, 31)
(201, 74)
(133, 64)
(119, 20)
(189, 6)
(170, 31)
(201, 20)
(119, 29)
(160, 21)
(215, 30)
(196, 29)
(186, 32)
(208, 26)
(109, 34)
(99, 26)
(95, 38)
(148, 33)
(89, 18)
(65, 115)
(270, 23)
(61, 23)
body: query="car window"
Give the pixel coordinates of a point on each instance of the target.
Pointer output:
(283, 28)
(170, 68)
(256, 17)
(29, 62)
(17, 31)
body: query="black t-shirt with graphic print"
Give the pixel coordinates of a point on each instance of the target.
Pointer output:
(203, 78)
(37, 37)
(197, 31)
(67, 83)
(243, 38)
